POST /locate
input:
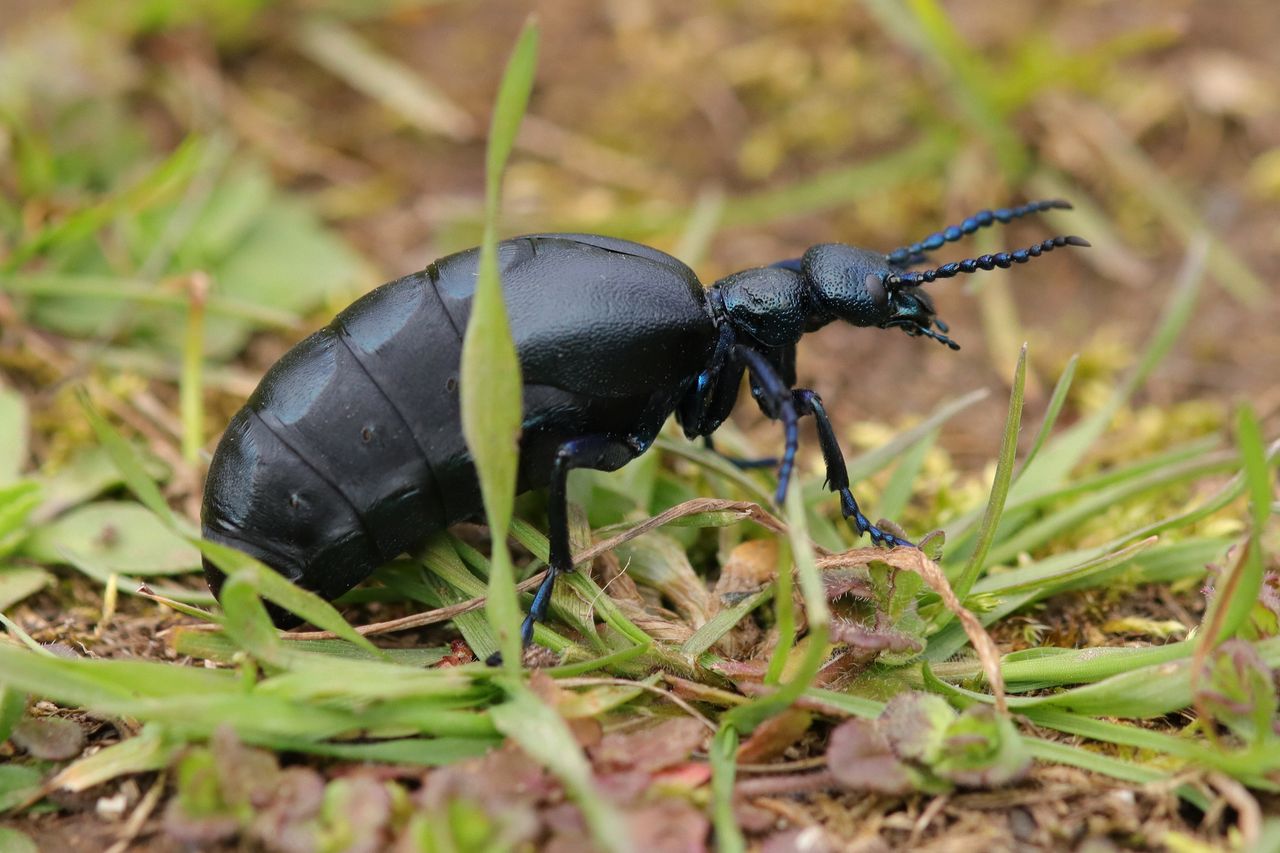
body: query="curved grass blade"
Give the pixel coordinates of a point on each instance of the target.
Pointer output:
(130, 466)
(724, 756)
(999, 489)
(1056, 401)
(491, 383)
(545, 736)
(276, 589)
(746, 717)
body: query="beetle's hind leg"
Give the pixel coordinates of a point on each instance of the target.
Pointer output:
(602, 452)
(809, 403)
(738, 461)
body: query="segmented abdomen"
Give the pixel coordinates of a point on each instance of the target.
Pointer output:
(331, 467)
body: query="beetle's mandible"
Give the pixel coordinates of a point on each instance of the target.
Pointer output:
(350, 452)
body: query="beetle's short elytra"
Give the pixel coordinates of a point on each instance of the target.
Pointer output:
(350, 452)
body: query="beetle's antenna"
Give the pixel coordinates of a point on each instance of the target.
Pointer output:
(915, 253)
(1004, 260)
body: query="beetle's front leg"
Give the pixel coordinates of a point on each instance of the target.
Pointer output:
(778, 403)
(601, 452)
(807, 402)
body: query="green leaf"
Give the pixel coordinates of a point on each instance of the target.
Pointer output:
(17, 502)
(13, 704)
(981, 748)
(17, 785)
(19, 582)
(490, 386)
(121, 537)
(508, 111)
(16, 841)
(87, 474)
(1238, 692)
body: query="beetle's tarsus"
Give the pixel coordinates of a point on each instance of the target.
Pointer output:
(849, 509)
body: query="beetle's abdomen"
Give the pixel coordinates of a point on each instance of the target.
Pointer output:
(262, 498)
(327, 471)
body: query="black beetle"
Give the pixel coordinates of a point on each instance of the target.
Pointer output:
(350, 452)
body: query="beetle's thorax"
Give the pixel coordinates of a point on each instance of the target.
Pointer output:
(772, 305)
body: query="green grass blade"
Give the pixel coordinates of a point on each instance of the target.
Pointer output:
(1056, 401)
(897, 492)
(491, 396)
(722, 623)
(999, 488)
(1066, 451)
(453, 584)
(191, 381)
(1070, 517)
(1248, 768)
(150, 750)
(1236, 592)
(130, 466)
(543, 734)
(275, 588)
(724, 758)
(163, 182)
(1085, 759)
(784, 617)
(425, 752)
(746, 717)
(148, 293)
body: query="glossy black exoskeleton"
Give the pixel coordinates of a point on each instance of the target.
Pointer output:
(350, 452)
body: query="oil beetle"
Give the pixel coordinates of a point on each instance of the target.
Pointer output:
(350, 452)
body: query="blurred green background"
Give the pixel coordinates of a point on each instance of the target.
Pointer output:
(288, 156)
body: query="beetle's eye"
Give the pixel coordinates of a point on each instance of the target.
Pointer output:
(874, 284)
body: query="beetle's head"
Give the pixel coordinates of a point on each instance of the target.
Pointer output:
(867, 288)
(861, 287)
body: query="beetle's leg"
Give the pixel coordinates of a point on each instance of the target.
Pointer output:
(593, 451)
(776, 402)
(738, 461)
(808, 402)
(784, 361)
(696, 407)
